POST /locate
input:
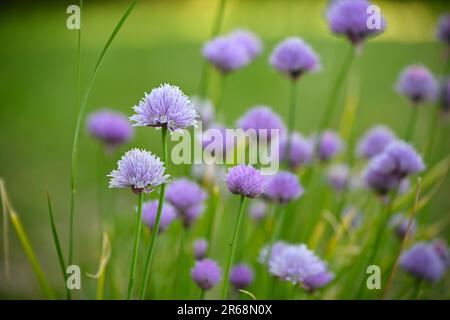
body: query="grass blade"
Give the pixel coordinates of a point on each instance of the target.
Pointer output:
(5, 229)
(81, 114)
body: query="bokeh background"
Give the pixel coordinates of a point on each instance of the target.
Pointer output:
(161, 42)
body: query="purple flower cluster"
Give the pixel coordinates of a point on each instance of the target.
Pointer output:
(206, 273)
(111, 128)
(200, 247)
(241, 276)
(301, 150)
(399, 223)
(294, 57)
(443, 29)
(261, 118)
(187, 198)
(351, 18)
(386, 170)
(338, 176)
(423, 261)
(165, 106)
(329, 144)
(375, 141)
(418, 84)
(139, 170)
(283, 187)
(150, 210)
(245, 180)
(233, 51)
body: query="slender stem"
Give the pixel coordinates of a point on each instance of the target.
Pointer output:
(294, 291)
(232, 248)
(137, 236)
(417, 287)
(179, 260)
(335, 90)
(411, 123)
(202, 294)
(214, 203)
(203, 84)
(151, 249)
(291, 117)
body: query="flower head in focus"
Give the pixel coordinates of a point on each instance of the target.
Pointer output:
(245, 180)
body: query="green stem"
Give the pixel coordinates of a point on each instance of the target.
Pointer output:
(291, 118)
(202, 294)
(179, 261)
(232, 248)
(417, 287)
(214, 203)
(151, 249)
(137, 236)
(411, 123)
(335, 90)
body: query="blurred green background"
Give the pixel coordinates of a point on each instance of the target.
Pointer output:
(160, 42)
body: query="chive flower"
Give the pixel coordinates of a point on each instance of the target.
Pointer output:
(188, 199)
(443, 29)
(283, 187)
(261, 118)
(206, 273)
(399, 224)
(248, 40)
(150, 210)
(139, 170)
(444, 96)
(245, 180)
(351, 18)
(110, 127)
(241, 276)
(329, 144)
(418, 84)
(301, 150)
(338, 177)
(258, 210)
(226, 54)
(317, 281)
(165, 106)
(273, 250)
(294, 58)
(374, 141)
(200, 247)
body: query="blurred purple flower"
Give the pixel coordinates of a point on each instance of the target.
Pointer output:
(245, 180)
(301, 150)
(258, 210)
(444, 96)
(150, 210)
(200, 248)
(375, 141)
(443, 29)
(110, 127)
(226, 54)
(261, 118)
(418, 84)
(241, 276)
(204, 109)
(441, 248)
(399, 223)
(351, 18)
(216, 139)
(165, 106)
(139, 170)
(248, 40)
(423, 262)
(283, 187)
(338, 176)
(206, 273)
(295, 264)
(294, 57)
(318, 280)
(273, 250)
(187, 198)
(329, 145)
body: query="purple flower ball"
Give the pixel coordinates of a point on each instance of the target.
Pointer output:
(283, 187)
(318, 280)
(206, 273)
(387, 170)
(111, 128)
(248, 40)
(261, 118)
(258, 210)
(375, 141)
(444, 96)
(301, 150)
(423, 262)
(443, 29)
(351, 18)
(329, 145)
(188, 199)
(418, 84)
(139, 170)
(295, 264)
(150, 210)
(441, 248)
(294, 57)
(165, 106)
(273, 250)
(200, 248)
(226, 54)
(338, 177)
(241, 276)
(245, 180)
(399, 224)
